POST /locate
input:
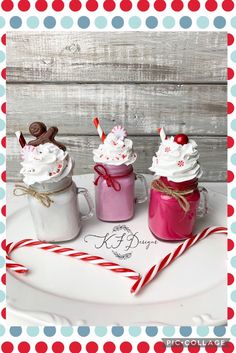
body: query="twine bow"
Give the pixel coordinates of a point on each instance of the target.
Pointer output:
(110, 179)
(179, 195)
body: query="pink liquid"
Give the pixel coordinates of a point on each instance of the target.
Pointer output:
(112, 205)
(167, 220)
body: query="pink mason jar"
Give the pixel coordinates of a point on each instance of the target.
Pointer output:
(168, 220)
(115, 192)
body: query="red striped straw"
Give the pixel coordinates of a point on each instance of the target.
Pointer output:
(101, 133)
(154, 271)
(57, 249)
(20, 138)
(162, 133)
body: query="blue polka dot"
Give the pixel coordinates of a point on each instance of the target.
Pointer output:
(15, 331)
(2, 193)
(202, 331)
(168, 22)
(49, 22)
(233, 296)
(135, 22)
(2, 159)
(233, 227)
(233, 124)
(2, 22)
(67, 22)
(67, 331)
(117, 331)
(185, 331)
(49, 331)
(233, 90)
(168, 331)
(2, 124)
(151, 331)
(2, 330)
(219, 22)
(233, 22)
(100, 331)
(233, 330)
(219, 331)
(233, 193)
(233, 158)
(83, 331)
(15, 22)
(2, 56)
(185, 22)
(2, 90)
(2, 296)
(134, 331)
(202, 22)
(233, 261)
(83, 22)
(233, 56)
(101, 22)
(117, 22)
(32, 22)
(2, 261)
(151, 22)
(32, 331)
(2, 227)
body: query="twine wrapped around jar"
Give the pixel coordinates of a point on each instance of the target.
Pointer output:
(179, 195)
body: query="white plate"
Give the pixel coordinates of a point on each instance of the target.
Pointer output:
(60, 290)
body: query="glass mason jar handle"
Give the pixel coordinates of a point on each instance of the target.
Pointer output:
(203, 205)
(144, 197)
(89, 200)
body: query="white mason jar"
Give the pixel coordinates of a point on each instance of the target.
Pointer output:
(55, 209)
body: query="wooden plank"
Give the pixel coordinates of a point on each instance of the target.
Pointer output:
(116, 56)
(212, 155)
(192, 109)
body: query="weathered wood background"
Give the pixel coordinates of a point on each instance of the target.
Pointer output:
(140, 79)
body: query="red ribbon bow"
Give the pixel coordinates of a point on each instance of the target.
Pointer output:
(111, 181)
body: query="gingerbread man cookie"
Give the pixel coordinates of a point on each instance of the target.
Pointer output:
(44, 135)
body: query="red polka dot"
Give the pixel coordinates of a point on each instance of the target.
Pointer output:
(91, 347)
(3, 39)
(230, 244)
(41, 347)
(23, 5)
(3, 176)
(159, 5)
(109, 5)
(230, 210)
(3, 279)
(177, 348)
(230, 176)
(7, 5)
(228, 5)
(230, 108)
(211, 348)
(230, 73)
(194, 5)
(230, 141)
(211, 5)
(3, 142)
(7, 347)
(75, 5)
(230, 38)
(3, 313)
(159, 347)
(177, 5)
(126, 5)
(75, 347)
(91, 5)
(193, 348)
(109, 347)
(230, 279)
(3, 73)
(230, 313)
(23, 347)
(143, 5)
(126, 347)
(143, 347)
(3, 108)
(3, 244)
(41, 5)
(3, 210)
(58, 5)
(228, 347)
(58, 347)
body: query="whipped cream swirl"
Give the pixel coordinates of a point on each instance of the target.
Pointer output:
(45, 163)
(177, 162)
(116, 150)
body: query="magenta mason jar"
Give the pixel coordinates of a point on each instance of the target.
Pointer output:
(115, 192)
(167, 219)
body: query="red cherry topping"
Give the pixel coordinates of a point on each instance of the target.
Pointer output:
(181, 139)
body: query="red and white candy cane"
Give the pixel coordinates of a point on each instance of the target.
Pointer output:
(169, 258)
(20, 139)
(101, 133)
(162, 133)
(57, 249)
